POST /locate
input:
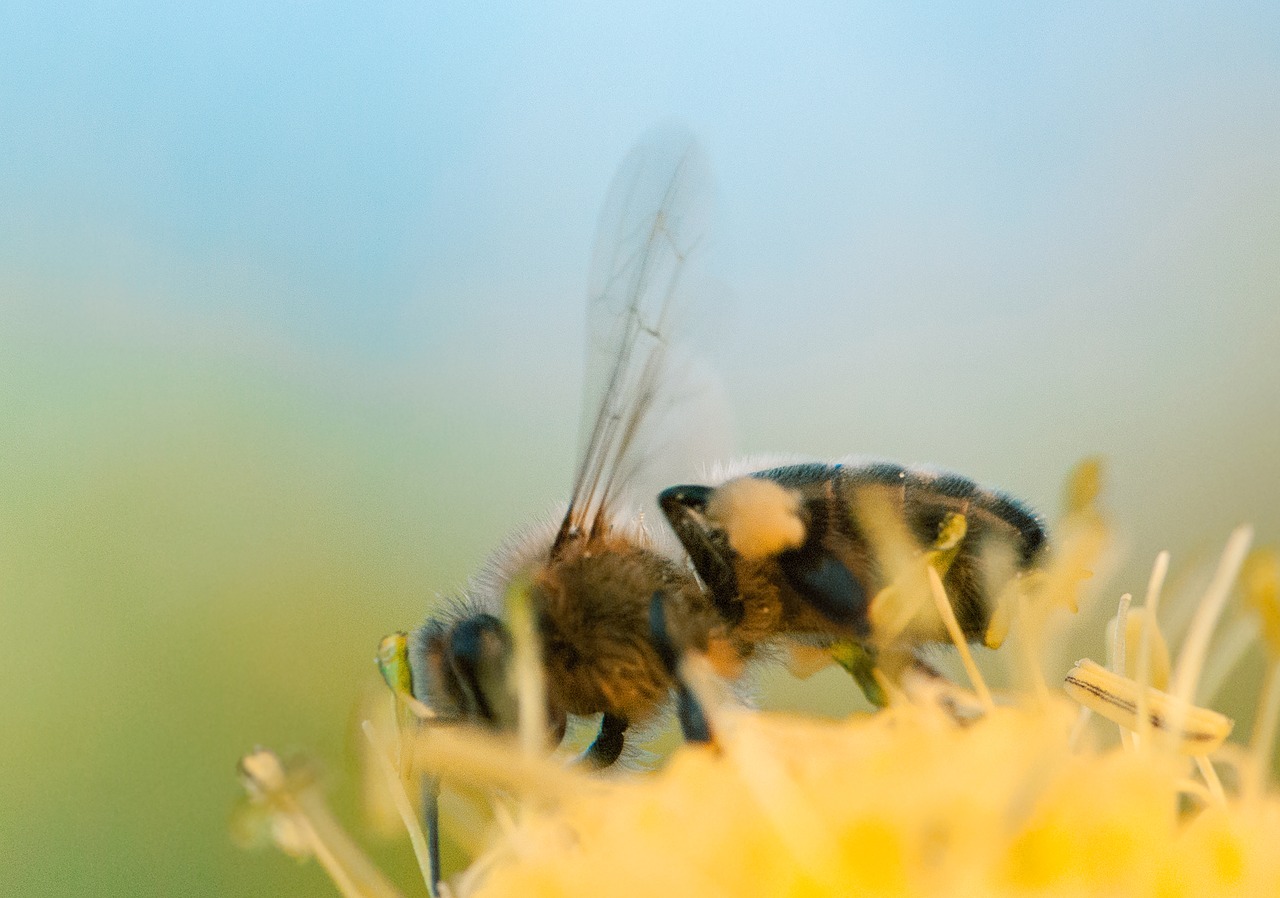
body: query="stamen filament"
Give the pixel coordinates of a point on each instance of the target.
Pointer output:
(395, 785)
(948, 616)
(1119, 639)
(480, 759)
(527, 671)
(1186, 675)
(1211, 779)
(1150, 624)
(353, 872)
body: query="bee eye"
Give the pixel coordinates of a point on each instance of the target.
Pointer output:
(479, 649)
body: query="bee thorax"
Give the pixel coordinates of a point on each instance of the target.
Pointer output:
(593, 610)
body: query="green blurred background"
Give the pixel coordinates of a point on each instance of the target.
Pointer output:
(291, 314)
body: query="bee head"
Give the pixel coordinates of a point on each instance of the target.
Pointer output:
(460, 670)
(686, 510)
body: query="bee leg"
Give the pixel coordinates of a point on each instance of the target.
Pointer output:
(923, 683)
(607, 746)
(829, 586)
(860, 662)
(431, 820)
(693, 721)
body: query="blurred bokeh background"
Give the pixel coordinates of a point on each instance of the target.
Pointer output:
(291, 316)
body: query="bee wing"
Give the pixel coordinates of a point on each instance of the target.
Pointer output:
(656, 214)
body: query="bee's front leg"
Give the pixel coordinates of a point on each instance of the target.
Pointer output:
(430, 801)
(906, 674)
(693, 720)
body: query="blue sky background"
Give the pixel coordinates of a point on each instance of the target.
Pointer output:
(271, 263)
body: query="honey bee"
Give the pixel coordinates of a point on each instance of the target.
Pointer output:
(772, 555)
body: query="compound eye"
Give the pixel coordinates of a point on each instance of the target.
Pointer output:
(434, 682)
(479, 650)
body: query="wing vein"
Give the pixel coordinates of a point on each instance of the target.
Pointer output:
(647, 232)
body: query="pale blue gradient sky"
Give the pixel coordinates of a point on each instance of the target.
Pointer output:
(1058, 219)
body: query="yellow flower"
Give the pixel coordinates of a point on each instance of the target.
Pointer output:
(904, 802)
(1036, 796)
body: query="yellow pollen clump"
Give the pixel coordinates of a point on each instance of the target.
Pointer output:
(761, 517)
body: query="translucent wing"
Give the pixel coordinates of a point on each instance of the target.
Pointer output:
(655, 216)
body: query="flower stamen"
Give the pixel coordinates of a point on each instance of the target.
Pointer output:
(1186, 675)
(1150, 634)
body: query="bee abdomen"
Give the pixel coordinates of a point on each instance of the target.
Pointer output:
(929, 496)
(1024, 520)
(842, 502)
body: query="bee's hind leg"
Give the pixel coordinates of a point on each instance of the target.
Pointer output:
(860, 663)
(693, 720)
(607, 746)
(925, 684)
(906, 674)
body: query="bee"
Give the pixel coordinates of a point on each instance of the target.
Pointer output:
(759, 558)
